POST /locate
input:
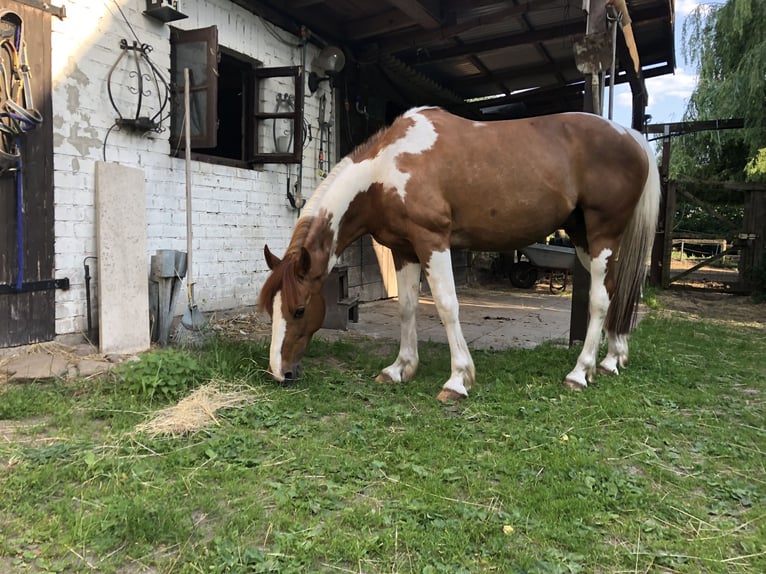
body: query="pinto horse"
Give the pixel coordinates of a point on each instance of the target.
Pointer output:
(432, 182)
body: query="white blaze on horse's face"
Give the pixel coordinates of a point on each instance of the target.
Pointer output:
(278, 330)
(291, 333)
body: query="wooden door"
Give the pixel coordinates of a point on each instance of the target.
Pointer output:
(27, 315)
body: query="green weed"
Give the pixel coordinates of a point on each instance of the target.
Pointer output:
(165, 374)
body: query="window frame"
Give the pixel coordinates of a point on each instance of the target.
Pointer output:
(254, 118)
(295, 156)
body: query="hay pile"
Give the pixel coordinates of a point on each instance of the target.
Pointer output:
(198, 410)
(243, 326)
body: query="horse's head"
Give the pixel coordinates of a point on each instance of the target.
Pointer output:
(292, 295)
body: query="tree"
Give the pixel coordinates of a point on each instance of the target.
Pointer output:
(727, 45)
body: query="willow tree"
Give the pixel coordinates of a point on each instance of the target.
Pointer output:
(727, 45)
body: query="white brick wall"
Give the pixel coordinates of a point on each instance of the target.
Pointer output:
(235, 210)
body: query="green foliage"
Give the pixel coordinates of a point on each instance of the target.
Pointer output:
(164, 375)
(727, 45)
(756, 167)
(694, 219)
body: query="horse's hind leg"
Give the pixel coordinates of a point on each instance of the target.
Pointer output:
(442, 283)
(617, 354)
(585, 368)
(406, 364)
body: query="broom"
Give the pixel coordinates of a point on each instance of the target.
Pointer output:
(193, 324)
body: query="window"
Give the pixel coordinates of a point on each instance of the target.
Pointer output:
(225, 89)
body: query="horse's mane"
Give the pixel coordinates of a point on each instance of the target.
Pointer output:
(364, 148)
(313, 233)
(284, 276)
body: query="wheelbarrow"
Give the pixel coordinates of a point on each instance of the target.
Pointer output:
(555, 260)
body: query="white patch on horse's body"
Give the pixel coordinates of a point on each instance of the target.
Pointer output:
(349, 179)
(420, 137)
(620, 129)
(419, 109)
(642, 141)
(442, 283)
(278, 330)
(584, 370)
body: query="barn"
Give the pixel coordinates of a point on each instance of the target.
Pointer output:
(93, 188)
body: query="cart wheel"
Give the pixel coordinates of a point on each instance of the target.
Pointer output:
(558, 281)
(523, 275)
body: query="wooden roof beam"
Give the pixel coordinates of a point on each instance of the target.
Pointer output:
(427, 17)
(420, 38)
(385, 23)
(542, 35)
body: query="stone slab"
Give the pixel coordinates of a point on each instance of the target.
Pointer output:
(123, 284)
(90, 368)
(35, 366)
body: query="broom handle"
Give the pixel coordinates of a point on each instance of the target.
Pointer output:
(187, 153)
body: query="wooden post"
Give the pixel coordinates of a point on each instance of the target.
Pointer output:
(752, 254)
(578, 320)
(657, 271)
(668, 215)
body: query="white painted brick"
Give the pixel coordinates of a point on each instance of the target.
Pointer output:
(236, 211)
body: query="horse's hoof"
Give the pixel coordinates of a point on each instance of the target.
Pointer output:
(604, 371)
(383, 378)
(448, 395)
(573, 385)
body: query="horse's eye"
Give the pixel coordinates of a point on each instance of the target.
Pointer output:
(299, 312)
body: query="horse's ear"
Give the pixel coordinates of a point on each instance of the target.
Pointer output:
(304, 265)
(271, 260)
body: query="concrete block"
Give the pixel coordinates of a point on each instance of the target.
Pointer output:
(123, 287)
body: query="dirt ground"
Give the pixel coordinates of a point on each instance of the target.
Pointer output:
(689, 303)
(720, 307)
(696, 303)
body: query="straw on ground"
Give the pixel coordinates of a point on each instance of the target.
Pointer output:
(198, 410)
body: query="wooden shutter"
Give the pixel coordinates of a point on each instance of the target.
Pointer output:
(198, 51)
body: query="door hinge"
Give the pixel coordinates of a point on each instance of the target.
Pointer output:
(44, 285)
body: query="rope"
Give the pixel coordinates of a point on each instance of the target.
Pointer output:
(17, 117)
(17, 112)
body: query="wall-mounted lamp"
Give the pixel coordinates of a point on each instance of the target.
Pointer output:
(331, 59)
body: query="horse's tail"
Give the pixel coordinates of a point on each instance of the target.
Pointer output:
(635, 248)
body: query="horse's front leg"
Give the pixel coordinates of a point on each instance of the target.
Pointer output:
(406, 364)
(442, 283)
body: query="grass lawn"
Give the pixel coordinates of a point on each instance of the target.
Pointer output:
(658, 470)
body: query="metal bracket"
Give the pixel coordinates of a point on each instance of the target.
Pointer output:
(44, 285)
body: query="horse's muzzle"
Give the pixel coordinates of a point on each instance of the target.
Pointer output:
(293, 375)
